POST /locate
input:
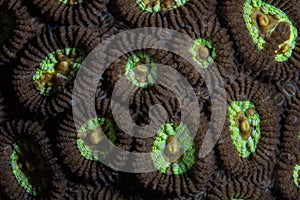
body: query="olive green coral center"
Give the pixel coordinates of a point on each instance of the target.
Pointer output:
(244, 127)
(29, 168)
(173, 149)
(203, 52)
(91, 138)
(57, 69)
(160, 5)
(268, 23)
(141, 70)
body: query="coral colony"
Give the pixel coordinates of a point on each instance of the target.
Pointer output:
(253, 44)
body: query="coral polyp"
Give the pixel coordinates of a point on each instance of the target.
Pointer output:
(248, 142)
(43, 81)
(203, 52)
(57, 69)
(149, 99)
(244, 126)
(84, 150)
(265, 35)
(268, 23)
(90, 138)
(28, 163)
(180, 172)
(211, 48)
(160, 5)
(168, 155)
(141, 70)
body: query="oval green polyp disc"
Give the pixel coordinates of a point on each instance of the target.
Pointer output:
(198, 43)
(153, 6)
(47, 67)
(248, 146)
(141, 63)
(182, 135)
(296, 175)
(95, 124)
(255, 32)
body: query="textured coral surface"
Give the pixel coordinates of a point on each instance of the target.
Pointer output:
(222, 123)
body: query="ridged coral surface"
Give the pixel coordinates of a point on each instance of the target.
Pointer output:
(201, 100)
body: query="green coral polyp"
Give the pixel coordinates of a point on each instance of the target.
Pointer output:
(90, 139)
(244, 127)
(71, 2)
(168, 154)
(262, 19)
(296, 175)
(141, 70)
(203, 52)
(160, 5)
(57, 69)
(7, 25)
(27, 171)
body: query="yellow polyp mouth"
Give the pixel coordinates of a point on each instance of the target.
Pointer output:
(203, 52)
(173, 152)
(244, 126)
(93, 139)
(262, 20)
(141, 73)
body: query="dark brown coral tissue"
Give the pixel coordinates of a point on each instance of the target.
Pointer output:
(249, 154)
(244, 53)
(287, 171)
(169, 14)
(17, 27)
(29, 166)
(69, 12)
(63, 49)
(259, 52)
(191, 179)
